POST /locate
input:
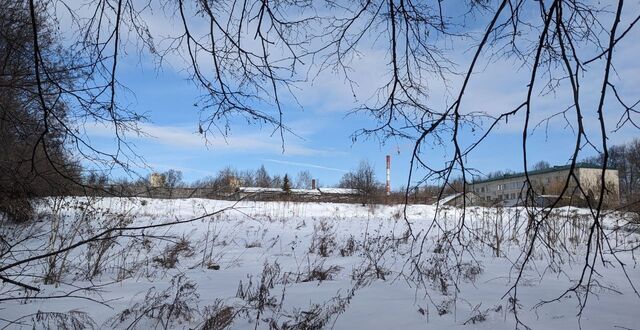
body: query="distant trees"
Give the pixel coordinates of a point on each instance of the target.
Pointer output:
(173, 178)
(228, 179)
(247, 178)
(94, 179)
(262, 178)
(541, 165)
(276, 181)
(363, 179)
(303, 180)
(498, 174)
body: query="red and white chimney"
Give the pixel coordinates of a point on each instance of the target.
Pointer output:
(388, 175)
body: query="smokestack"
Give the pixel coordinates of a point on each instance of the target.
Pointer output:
(313, 183)
(388, 175)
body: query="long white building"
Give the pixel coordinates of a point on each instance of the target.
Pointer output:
(547, 184)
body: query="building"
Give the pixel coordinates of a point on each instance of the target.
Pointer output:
(317, 194)
(157, 180)
(547, 184)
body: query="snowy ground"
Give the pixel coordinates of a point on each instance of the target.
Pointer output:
(296, 265)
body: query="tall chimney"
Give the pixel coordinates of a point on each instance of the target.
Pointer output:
(313, 183)
(388, 175)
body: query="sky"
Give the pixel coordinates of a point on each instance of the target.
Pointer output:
(323, 123)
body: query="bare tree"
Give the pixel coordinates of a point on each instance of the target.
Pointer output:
(33, 162)
(541, 165)
(262, 178)
(303, 180)
(362, 179)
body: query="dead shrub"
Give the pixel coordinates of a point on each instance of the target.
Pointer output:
(317, 316)
(98, 255)
(349, 247)
(218, 316)
(375, 250)
(167, 308)
(316, 271)
(251, 245)
(369, 272)
(398, 214)
(322, 274)
(436, 271)
(323, 241)
(477, 316)
(470, 270)
(444, 307)
(64, 230)
(169, 257)
(258, 296)
(55, 320)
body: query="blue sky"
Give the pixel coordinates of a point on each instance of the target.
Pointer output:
(323, 144)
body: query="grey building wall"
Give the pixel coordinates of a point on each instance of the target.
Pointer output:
(510, 190)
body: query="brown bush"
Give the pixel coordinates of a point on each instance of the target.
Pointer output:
(17, 210)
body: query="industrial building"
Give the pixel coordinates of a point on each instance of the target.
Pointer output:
(547, 184)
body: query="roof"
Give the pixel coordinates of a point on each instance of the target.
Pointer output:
(449, 198)
(305, 191)
(339, 191)
(315, 192)
(259, 190)
(542, 171)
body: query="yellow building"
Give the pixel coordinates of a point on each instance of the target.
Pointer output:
(157, 180)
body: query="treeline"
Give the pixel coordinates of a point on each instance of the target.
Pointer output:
(229, 178)
(34, 158)
(171, 184)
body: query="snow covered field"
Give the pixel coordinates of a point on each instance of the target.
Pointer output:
(312, 265)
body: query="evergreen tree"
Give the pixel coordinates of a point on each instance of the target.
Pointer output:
(286, 185)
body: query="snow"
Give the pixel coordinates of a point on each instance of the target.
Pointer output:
(252, 190)
(447, 199)
(242, 240)
(339, 191)
(313, 192)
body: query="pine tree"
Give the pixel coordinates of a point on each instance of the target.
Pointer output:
(286, 185)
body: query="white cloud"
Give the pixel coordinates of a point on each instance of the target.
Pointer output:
(285, 162)
(185, 138)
